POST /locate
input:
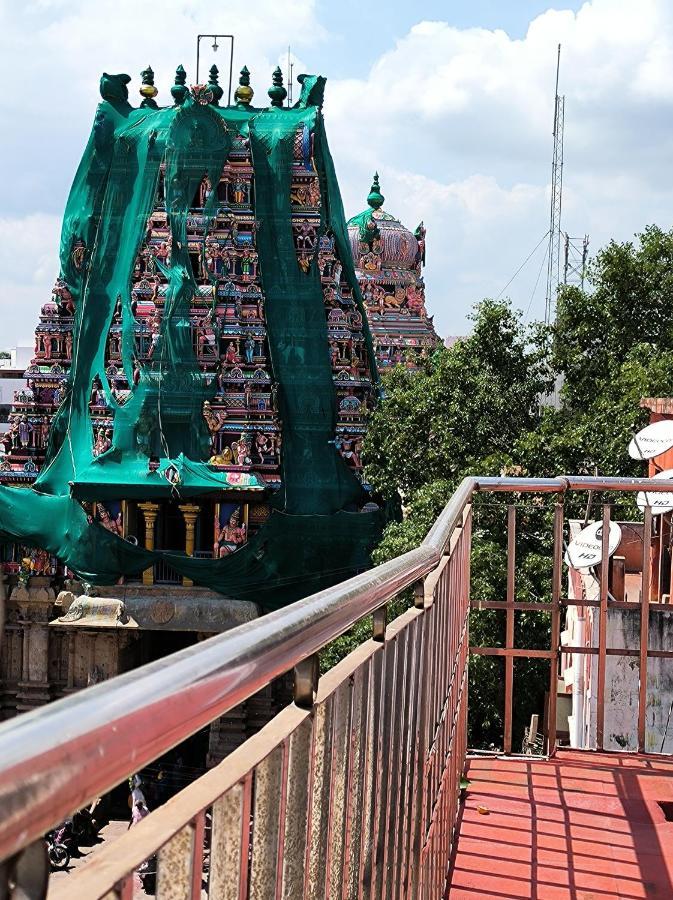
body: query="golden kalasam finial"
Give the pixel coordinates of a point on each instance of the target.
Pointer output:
(244, 93)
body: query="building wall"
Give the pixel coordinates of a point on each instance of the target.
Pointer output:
(622, 679)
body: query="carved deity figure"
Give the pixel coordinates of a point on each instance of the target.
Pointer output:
(349, 453)
(115, 525)
(212, 255)
(64, 298)
(155, 331)
(265, 446)
(103, 441)
(25, 429)
(241, 449)
(231, 354)
(43, 432)
(306, 235)
(214, 422)
(314, 192)
(230, 537)
(249, 347)
(240, 191)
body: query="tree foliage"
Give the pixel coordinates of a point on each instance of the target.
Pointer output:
(476, 409)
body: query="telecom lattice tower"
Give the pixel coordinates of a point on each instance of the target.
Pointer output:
(575, 260)
(554, 254)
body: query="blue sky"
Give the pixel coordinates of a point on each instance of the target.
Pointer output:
(450, 101)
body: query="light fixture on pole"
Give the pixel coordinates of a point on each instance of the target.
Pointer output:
(215, 47)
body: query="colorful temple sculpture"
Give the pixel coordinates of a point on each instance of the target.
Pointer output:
(203, 372)
(389, 261)
(186, 451)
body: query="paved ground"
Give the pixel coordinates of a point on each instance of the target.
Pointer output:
(110, 832)
(583, 826)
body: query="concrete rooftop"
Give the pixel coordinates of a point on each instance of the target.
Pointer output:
(586, 826)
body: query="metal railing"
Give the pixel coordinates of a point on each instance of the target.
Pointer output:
(352, 790)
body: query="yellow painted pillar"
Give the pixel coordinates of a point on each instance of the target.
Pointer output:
(150, 512)
(190, 512)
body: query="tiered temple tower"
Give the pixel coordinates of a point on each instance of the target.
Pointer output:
(389, 260)
(222, 329)
(186, 453)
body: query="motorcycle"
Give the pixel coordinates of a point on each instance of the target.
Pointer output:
(147, 872)
(57, 853)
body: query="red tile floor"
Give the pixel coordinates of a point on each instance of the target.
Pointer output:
(586, 826)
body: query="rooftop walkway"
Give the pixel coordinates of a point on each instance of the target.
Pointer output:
(586, 826)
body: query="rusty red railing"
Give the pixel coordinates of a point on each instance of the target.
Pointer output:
(352, 790)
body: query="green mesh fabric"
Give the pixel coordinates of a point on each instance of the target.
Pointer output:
(315, 535)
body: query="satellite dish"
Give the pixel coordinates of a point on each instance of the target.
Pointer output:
(584, 551)
(660, 502)
(652, 441)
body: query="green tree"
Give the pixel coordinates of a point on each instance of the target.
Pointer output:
(472, 402)
(465, 414)
(628, 304)
(475, 409)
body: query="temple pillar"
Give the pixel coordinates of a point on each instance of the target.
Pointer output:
(150, 512)
(35, 604)
(190, 512)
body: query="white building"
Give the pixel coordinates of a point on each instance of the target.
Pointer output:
(19, 358)
(622, 675)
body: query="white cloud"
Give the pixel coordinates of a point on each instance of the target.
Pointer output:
(457, 121)
(28, 266)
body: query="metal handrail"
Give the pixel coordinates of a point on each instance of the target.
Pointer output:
(56, 759)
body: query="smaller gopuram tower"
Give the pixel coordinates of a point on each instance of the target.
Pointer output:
(388, 261)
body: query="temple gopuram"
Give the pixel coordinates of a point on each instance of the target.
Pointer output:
(389, 260)
(186, 451)
(223, 332)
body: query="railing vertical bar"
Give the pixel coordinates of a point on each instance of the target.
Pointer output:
(296, 811)
(602, 629)
(246, 835)
(226, 842)
(343, 699)
(388, 736)
(397, 727)
(321, 754)
(371, 778)
(509, 628)
(124, 890)
(382, 769)
(266, 826)
(426, 760)
(418, 739)
(409, 734)
(197, 855)
(281, 814)
(357, 742)
(174, 866)
(555, 626)
(645, 594)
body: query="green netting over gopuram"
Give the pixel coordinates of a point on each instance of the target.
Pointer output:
(316, 534)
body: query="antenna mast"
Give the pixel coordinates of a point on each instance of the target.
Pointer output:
(554, 256)
(575, 264)
(290, 68)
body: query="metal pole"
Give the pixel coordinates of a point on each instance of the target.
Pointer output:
(602, 628)
(644, 626)
(229, 37)
(509, 632)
